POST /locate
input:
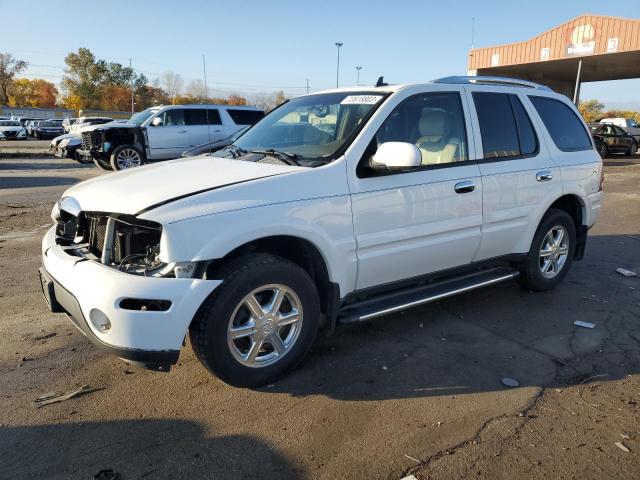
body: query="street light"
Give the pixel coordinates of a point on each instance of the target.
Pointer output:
(338, 44)
(358, 80)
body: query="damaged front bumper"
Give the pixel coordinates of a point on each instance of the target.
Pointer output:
(138, 318)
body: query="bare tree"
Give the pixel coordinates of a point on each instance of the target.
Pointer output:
(10, 66)
(195, 89)
(172, 83)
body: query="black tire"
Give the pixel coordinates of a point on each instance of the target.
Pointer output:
(102, 165)
(531, 275)
(208, 331)
(632, 150)
(130, 149)
(603, 150)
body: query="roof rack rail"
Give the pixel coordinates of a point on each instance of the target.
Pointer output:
(488, 80)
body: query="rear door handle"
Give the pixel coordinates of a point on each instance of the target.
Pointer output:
(464, 187)
(544, 176)
(182, 131)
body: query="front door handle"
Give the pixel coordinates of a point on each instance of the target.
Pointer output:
(464, 187)
(544, 176)
(182, 131)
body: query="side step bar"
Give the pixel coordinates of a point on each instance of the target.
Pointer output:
(395, 302)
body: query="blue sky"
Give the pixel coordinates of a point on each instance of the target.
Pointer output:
(256, 46)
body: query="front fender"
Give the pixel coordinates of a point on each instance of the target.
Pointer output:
(325, 222)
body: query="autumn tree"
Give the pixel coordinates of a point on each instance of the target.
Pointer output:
(236, 100)
(32, 93)
(115, 97)
(591, 110)
(10, 66)
(172, 84)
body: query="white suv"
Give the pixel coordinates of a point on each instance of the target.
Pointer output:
(337, 207)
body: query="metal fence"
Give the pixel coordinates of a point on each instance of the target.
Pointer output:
(33, 112)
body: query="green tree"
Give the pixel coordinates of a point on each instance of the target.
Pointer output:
(10, 66)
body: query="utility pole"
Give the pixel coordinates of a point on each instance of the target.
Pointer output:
(358, 79)
(204, 73)
(132, 102)
(307, 86)
(338, 44)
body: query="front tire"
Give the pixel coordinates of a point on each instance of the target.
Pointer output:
(633, 149)
(102, 165)
(551, 253)
(126, 156)
(259, 323)
(603, 150)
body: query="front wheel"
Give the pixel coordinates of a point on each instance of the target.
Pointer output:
(551, 252)
(259, 323)
(81, 158)
(126, 156)
(633, 149)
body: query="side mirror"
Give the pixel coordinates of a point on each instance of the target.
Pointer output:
(397, 156)
(156, 122)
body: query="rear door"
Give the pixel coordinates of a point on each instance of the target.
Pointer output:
(518, 174)
(171, 138)
(202, 129)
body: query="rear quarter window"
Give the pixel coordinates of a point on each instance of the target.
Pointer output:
(244, 117)
(564, 126)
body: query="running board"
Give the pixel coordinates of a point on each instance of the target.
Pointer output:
(398, 301)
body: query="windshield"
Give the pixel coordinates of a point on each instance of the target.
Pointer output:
(312, 127)
(9, 123)
(140, 117)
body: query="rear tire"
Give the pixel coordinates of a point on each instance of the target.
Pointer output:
(267, 348)
(550, 256)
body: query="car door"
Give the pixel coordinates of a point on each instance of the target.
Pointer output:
(428, 219)
(203, 130)
(170, 138)
(624, 139)
(518, 174)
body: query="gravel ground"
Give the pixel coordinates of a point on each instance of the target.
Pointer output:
(414, 393)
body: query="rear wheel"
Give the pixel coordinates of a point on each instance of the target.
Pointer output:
(126, 156)
(551, 253)
(259, 323)
(603, 150)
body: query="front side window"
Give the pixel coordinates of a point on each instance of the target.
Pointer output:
(174, 118)
(562, 123)
(313, 127)
(434, 122)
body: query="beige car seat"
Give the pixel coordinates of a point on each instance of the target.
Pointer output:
(434, 143)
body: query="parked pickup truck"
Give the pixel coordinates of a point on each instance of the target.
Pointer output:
(337, 207)
(161, 133)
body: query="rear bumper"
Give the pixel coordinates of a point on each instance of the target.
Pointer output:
(592, 207)
(85, 288)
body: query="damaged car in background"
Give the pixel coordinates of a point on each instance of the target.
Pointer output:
(162, 133)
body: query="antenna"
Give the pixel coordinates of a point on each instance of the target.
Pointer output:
(381, 82)
(473, 30)
(206, 100)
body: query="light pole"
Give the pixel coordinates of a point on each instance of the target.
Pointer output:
(338, 44)
(358, 80)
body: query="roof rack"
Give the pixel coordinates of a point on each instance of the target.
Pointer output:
(487, 80)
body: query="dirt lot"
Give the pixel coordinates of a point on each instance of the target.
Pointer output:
(415, 393)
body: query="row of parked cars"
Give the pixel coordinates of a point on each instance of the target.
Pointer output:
(157, 133)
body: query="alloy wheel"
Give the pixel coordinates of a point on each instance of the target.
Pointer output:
(554, 251)
(265, 325)
(128, 158)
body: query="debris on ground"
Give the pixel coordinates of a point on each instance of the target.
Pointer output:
(44, 337)
(414, 459)
(625, 272)
(510, 382)
(621, 446)
(107, 474)
(384, 367)
(410, 477)
(633, 236)
(593, 297)
(53, 397)
(580, 323)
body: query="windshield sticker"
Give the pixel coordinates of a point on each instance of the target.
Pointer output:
(361, 100)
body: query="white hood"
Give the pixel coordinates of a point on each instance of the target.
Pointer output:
(11, 128)
(136, 189)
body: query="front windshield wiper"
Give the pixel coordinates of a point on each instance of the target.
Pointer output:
(289, 158)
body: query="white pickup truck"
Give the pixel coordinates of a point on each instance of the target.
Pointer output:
(337, 207)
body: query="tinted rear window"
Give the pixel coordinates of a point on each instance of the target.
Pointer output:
(497, 125)
(244, 117)
(562, 123)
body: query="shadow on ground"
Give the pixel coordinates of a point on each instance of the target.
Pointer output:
(167, 449)
(29, 182)
(43, 165)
